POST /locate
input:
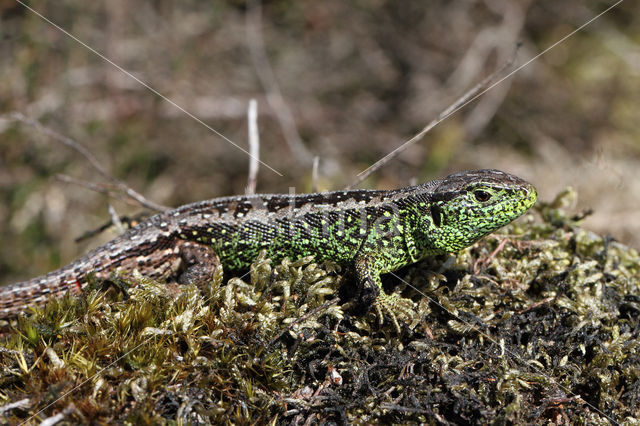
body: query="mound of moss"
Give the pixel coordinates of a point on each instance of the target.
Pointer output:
(537, 323)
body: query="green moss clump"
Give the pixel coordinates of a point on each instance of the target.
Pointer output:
(537, 323)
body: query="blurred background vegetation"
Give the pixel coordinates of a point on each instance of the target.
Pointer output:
(345, 81)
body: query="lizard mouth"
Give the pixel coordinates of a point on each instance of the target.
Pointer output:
(530, 196)
(517, 206)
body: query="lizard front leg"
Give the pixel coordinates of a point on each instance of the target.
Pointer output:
(368, 268)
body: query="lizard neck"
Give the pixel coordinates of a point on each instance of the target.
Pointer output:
(421, 233)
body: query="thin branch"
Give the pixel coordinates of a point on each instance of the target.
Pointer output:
(465, 99)
(254, 147)
(126, 221)
(115, 219)
(23, 403)
(314, 174)
(269, 83)
(64, 140)
(97, 187)
(67, 141)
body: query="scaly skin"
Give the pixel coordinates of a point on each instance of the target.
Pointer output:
(373, 232)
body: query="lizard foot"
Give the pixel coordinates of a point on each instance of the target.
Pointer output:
(396, 307)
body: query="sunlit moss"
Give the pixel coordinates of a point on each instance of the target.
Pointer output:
(536, 323)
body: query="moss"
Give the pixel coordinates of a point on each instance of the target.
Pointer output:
(535, 324)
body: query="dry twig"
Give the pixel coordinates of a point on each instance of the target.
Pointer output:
(115, 219)
(97, 187)
(270, 84)
(254, 147)
(23, 403)
(67, 141)
(314, 174)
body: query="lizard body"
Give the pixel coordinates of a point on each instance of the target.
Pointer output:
(373, 232)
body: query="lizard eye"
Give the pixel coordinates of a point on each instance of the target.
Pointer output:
(482, 196)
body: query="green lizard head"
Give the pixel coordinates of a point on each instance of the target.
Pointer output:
(468, 205)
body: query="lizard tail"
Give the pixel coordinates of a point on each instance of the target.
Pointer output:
(16, 298)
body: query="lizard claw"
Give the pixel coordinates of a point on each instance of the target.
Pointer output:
(396, 307)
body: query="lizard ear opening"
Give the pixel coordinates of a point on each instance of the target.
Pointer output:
(436, 215)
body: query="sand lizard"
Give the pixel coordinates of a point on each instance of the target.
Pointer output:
(370, 231)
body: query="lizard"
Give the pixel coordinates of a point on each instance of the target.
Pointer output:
(372, 232)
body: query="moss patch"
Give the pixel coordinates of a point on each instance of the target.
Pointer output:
(537, 323)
